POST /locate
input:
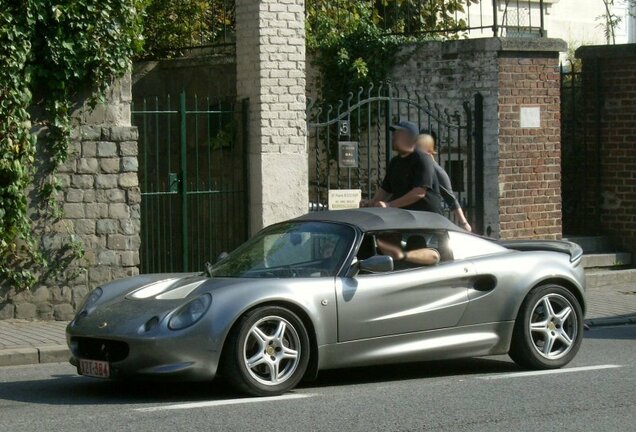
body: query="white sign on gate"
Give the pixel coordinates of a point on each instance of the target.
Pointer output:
(342, 199)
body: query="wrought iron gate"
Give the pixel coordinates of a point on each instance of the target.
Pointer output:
(364, 118)
(193, 180)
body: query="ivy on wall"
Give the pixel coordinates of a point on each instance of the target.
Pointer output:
(50, 50)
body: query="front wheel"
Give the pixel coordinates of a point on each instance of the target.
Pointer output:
(267, 352)
(548, 330)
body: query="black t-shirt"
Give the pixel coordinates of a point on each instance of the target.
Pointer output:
(414, 170)
(445, 188)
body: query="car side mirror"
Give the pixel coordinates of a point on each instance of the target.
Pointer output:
(376, 264)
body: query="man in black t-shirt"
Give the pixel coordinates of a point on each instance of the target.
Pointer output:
(410, 180)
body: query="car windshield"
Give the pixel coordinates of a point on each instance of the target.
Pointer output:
(288, 250)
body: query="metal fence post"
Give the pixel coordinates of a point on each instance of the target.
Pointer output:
(495, 26)
(479, 162)
(387, 132)
(541, 30)
(184, 179)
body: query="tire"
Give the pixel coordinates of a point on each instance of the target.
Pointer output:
(546, 335)
(274, 341)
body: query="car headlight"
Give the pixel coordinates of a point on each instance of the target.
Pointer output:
(190, 313)
(91, 299)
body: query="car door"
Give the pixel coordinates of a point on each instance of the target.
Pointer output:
(428, 298)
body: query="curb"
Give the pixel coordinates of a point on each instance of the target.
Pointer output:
(611, 321)
(32, 355)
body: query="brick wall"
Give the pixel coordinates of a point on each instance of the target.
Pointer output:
(270, 67)
(529, 158)
(609, 92)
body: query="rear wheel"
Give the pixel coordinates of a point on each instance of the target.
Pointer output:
(548, 330)
(267, 352)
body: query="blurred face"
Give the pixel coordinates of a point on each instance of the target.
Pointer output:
(402, 142)
(426, 144)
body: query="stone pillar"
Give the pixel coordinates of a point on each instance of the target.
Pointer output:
(270, 65)
(100, 198)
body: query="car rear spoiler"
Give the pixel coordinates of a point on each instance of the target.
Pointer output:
(572, 249)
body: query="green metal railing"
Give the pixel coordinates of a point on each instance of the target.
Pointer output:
(193, 180)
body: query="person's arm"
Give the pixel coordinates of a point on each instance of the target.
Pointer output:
(461, 219)
(380, 195)
(426, 256)
(391, 250)
(414, 195)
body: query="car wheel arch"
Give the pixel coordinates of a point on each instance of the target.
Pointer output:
(563, 282)
(312, 369)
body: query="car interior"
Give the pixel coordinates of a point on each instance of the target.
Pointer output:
(437, 240)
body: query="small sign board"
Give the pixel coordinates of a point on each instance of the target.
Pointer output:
(343, 128)
(530, 117)
(342, 199)
(348, 154)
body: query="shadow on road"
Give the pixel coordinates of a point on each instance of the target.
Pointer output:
(623, 332)
(69, 389)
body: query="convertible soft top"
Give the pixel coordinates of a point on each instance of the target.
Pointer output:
(380, 219)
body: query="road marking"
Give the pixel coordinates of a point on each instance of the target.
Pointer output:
(548, 372)
(224, 402)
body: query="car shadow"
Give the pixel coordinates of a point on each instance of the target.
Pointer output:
(70, 389)
(410, 371)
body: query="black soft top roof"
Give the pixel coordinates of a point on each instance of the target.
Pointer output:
(380, 219)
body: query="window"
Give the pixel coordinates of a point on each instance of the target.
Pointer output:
(466, 246)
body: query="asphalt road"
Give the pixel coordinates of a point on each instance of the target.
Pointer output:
(597, 392)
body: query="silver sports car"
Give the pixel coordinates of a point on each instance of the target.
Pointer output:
(338, 289)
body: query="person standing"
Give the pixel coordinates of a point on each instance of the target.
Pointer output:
(410, 181)
(426, 144)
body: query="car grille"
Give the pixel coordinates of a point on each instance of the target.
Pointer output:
(99, 349)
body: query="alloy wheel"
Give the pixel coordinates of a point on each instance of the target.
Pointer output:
(553, 326)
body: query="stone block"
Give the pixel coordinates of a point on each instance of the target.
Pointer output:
(84, 226)
(116, 195)
(106, 149)
(128, 180)
(96, 210)
(41, 294)
(119, 211)
(63, 312)
(107, 226)
(129, 258)
(73, 210)
(106, 181)
(60, 294)
(7, 311)
(134, 195)
(74, 195)
(118, 242)
(82, 181)
(123, 133)
(89, 149)
(99, 274)
(90, 133)
(87, 166)
(109, 165)
(128, 148)
(27, 311)
(107, 257)
(44, 311)
(129, 163)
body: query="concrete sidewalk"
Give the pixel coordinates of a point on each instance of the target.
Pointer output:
(29, 342)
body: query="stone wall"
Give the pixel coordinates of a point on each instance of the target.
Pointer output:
(100, 198)
(609, 115)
